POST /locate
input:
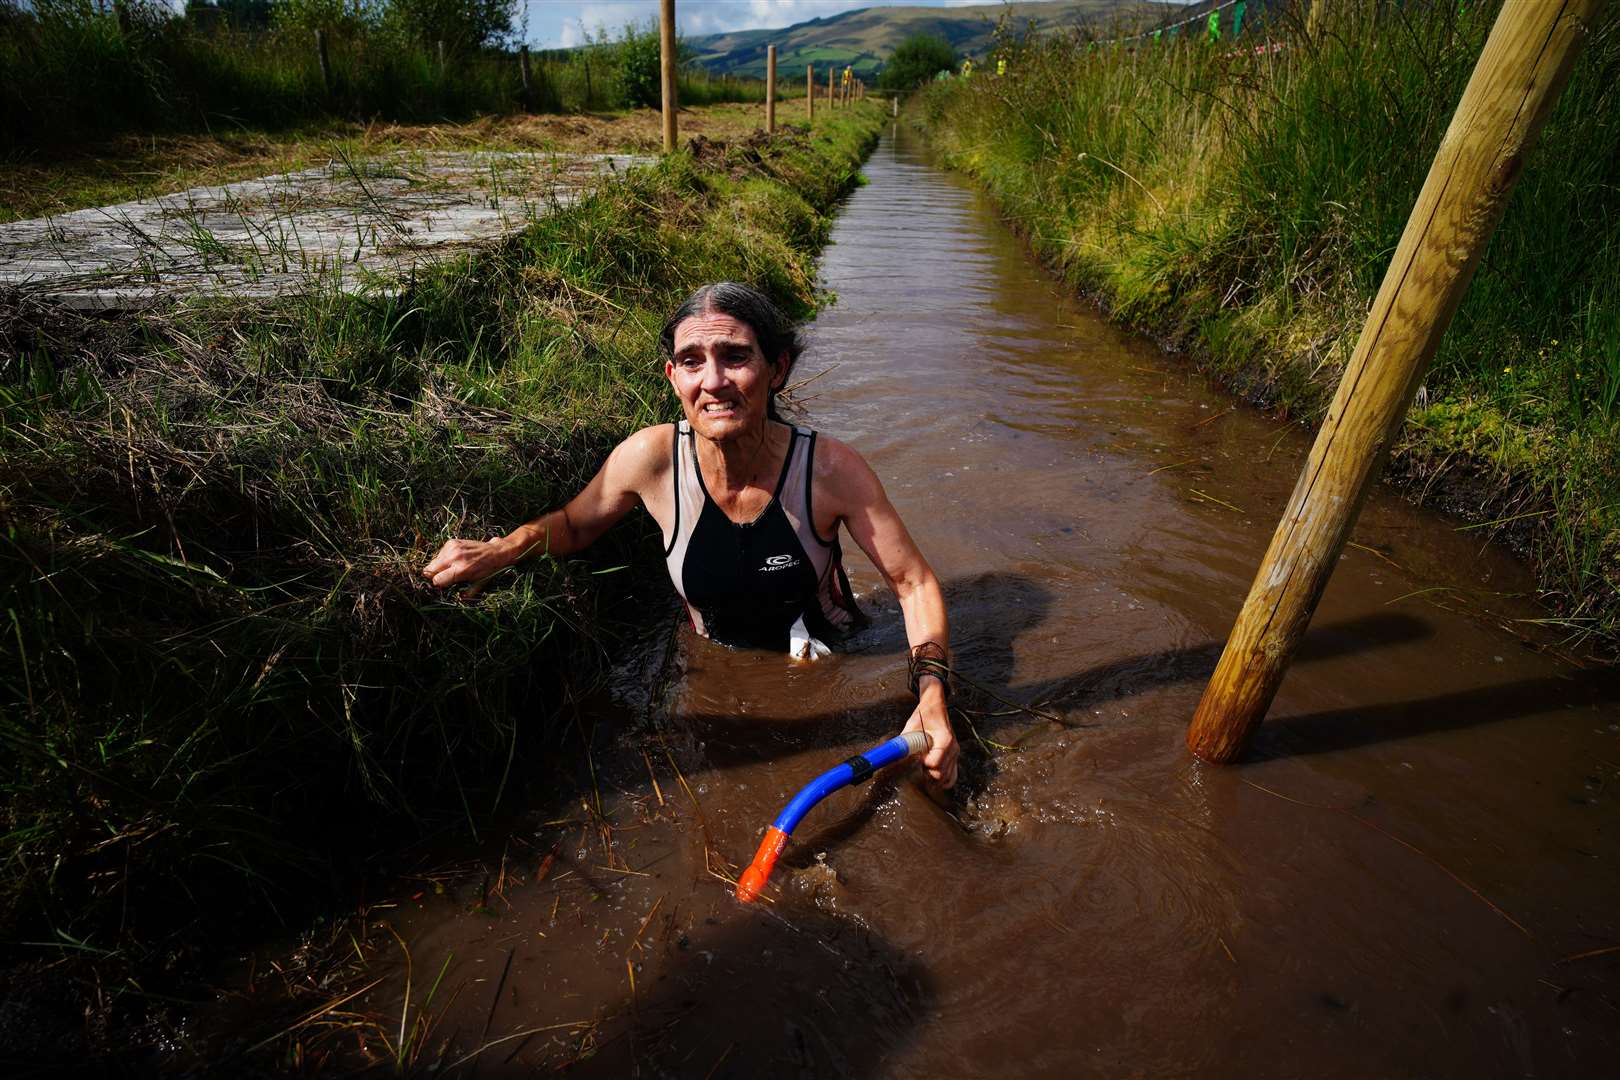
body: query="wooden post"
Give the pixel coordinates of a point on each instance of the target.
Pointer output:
(770, 88)
(1521, 71)
(1313, 21)
(523, 71)
(666, 44)
(326, 64)
(810, 93)
(831, 99)
(441, 58)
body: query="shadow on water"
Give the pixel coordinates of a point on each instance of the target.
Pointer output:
(1001, 607)
(1362, 725)
(802, 995)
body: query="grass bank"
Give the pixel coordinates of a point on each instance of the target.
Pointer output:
(1245, 206)
(225, 677)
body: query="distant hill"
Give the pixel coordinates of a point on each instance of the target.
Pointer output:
(865, 38)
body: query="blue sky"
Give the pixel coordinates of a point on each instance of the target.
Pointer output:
(553, 23)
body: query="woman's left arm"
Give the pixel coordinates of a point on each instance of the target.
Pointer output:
(857, 496)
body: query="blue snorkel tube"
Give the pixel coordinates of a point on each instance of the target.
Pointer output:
(853, 771)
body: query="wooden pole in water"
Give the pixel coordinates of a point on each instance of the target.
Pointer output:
(770, 89)
(666, 45)
(809, 93)
(1518, 77)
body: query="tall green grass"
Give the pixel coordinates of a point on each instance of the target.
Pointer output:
(1247, 204)
(225, 677)
(71, 73)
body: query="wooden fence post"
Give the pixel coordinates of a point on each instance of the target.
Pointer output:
(810, 93)
(1313, 21)
(441, 58)
(523, 70)
(831, 100)
(326, 64)
(1518, 77)
(770, 89)
(666, 47)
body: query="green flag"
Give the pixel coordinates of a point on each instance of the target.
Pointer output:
(1237, 17)
(1156, 34)
(1215, 25)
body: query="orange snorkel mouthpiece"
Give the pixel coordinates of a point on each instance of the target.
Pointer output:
(753, 879)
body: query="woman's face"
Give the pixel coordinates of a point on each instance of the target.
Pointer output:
(722, 379)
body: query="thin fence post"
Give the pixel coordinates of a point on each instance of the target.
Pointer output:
(810, 93)
(831, 100)
(589, 93)
(441, 58)
(326, 64)
(770, 89)
(523, 70)
(1519, 75)
(666, 50)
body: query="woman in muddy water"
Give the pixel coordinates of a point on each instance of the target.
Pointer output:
(750, 508)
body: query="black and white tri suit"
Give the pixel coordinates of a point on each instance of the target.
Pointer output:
(762, 583)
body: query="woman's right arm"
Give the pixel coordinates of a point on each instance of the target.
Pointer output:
(635, 473)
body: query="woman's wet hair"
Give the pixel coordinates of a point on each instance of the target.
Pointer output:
(775, 332)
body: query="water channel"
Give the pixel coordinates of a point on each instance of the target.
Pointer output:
(1414, 873)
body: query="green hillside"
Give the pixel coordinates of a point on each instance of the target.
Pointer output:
(865, 38)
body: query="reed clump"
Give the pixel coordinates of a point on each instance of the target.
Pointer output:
(226, 681)
(1242, 198)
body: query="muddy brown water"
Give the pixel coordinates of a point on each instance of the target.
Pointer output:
(1413, 874)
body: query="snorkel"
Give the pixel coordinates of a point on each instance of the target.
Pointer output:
(853, 771)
